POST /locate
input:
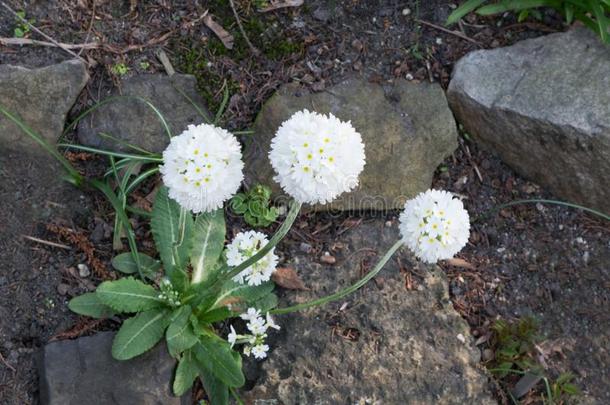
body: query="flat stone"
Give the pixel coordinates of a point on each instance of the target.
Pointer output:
(543, 105)
(76, 372)
(383, 344)
(134, 122)
(41, 98)
(407, 130)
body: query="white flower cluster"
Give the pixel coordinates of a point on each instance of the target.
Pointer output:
(316, 157)
(168, 294)
(244, 246)
(202, 167)
(434, 225)
(255, 341)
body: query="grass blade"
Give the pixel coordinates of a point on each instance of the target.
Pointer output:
(462, 10)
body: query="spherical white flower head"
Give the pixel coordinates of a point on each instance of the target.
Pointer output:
(434, 225)
(316, 157)
(244, 246)
(202, 167)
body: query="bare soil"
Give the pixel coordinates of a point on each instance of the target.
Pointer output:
(548, 261)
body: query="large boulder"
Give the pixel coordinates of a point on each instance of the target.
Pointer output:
(407, 130)
(543, 105)
(133, 122)
(76, 372)
(41, 98)
(384, 344)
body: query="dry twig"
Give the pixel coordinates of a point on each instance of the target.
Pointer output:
(255, 51)
(456, 33)
(275, 5)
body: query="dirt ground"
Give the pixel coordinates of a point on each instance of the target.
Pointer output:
(547, 261)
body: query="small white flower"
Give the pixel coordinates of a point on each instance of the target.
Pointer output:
(434, 225)
(247, 350)
(271, 323)
(244, 246)
(260, 351)
(257, 326)
(251, 313)
(316, 157)
(232, 338)
(202, 167)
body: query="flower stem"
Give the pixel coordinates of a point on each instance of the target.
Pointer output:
(347, 290)
(543, 201)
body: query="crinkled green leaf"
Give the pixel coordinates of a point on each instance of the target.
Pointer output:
(89, 304)
(179, 334)
(140, 333)
(208, 240)
(216, 356)
(171, 228)
(264, 304)
(216, 315)
(128, 295)
(186, 372)
(215, 389)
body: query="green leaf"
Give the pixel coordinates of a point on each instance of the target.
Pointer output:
(171, 228)
(18, 33)
(179, 334)
(214, 388)
(89, 304)
(125, 263)
(462, 10)
(128, 295)
(140, 333)
(569, 12)
(512, 5)
(570, 389)
(216, 356)
(242, 292)
(216, 315)
(266, 303)
(601, 18)
(186, 372)
(208, 240)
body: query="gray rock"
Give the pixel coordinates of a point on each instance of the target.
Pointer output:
(76, 372)
(134, 122)
(543, 105)
(41, 98)
(388, 345)
(407, 130)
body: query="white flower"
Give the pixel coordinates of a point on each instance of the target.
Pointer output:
(316, 157)
(232, 338)
(271, 323)
(202, 167)
(257, 326)
(244, 246)
(260, 351)
(251, 313)
(434, 225)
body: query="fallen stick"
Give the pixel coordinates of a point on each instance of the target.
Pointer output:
(46, 242)
(456, 33)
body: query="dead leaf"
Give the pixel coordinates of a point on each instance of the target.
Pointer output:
(457, 262)
(288, 278)
(222, 34)
(229, 301)
(281, 4)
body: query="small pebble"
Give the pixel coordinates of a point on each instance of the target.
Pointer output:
(488, 355)
(305, 247)
(461, 338)
(83, 270)
(62, 289)
(406, 11)
(409, 76)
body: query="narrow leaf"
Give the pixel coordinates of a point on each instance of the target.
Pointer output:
(208, 239)
(171, 228)
(216, 356)
(186, 372)
(140, 333)
(128, 295)
(179, 335)
(125, 263)
(89, 304)
(462, 10)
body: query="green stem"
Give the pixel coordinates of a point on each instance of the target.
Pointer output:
(539, 200)
(346, 291)
(76, 178)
